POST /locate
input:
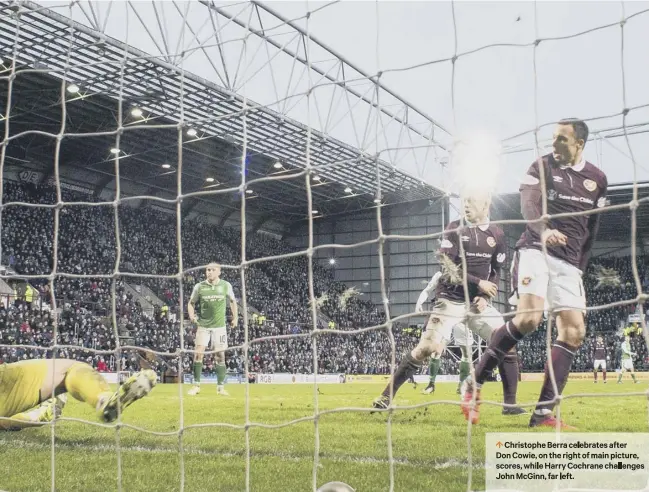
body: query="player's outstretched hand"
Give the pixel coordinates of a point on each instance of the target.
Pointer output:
(488, 288)
(552, 237)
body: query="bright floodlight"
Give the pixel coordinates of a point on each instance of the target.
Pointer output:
(191, 132)
(249, 191)
(332, 261)
(166, 166)
(314, 212)
(278, 165)
(476, 164)
(316, 178)
(114, 151)
(348, 190)
(72, 88)
(136, 112)
(377, 200)
(209, 180)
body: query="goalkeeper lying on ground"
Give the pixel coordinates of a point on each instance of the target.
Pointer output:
(33, 391)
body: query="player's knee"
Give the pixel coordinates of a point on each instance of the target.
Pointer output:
(423, 350)
(528, 322)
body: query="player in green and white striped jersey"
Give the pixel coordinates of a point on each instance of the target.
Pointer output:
(626, 362)
(211, 295)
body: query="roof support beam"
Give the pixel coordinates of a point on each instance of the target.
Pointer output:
(101, 184)
(260, 222)
(189, 204)
(226, 216)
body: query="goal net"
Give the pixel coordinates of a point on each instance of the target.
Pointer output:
(140, 142)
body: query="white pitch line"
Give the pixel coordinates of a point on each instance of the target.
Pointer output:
(436, 465)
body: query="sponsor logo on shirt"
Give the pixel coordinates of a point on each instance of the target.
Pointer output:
(573, 198)
(478, 255)
(557, 179)
(491, 241)
(590, 185)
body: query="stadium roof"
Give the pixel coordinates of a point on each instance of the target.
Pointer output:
(181, 115)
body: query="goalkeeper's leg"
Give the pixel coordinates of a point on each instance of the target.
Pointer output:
(36, 417)
(26, 384)
(87, 385)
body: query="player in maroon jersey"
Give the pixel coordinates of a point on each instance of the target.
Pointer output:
(572, 185)
(484, 248)
(599, 357)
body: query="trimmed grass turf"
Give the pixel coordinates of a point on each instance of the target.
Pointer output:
(429, 444)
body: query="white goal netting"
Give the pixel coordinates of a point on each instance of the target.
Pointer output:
(180, 109)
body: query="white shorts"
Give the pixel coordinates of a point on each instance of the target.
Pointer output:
(213, 338)
(446, 315)
(627, 365)
(462, 336)
(599, 364)
(556, 281)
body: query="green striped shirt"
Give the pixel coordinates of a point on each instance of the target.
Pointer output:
(212, 302)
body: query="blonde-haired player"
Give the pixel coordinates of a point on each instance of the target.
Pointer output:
(484, 249)
(211, 295)
(31, 391)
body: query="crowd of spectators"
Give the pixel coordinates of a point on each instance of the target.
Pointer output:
(96, 307)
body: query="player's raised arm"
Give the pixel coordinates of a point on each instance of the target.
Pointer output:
(426, 293)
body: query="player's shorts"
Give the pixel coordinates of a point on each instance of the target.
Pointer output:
(556, 281)
(213, 338)
(599, 364)
(462, 336)
(627, 365)
(446, 314)
(20, 385)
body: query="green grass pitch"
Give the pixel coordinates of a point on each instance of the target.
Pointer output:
(429, 445)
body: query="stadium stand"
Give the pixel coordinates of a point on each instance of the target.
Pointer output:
(277, 294)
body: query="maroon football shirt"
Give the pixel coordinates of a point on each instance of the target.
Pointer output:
(485, 250)
(569, 189)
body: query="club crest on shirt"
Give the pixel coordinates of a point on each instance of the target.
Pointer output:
(491, 241)
(590, 185)
(526, 280)
(552, 195)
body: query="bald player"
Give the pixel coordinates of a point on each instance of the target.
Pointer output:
(211, 296)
